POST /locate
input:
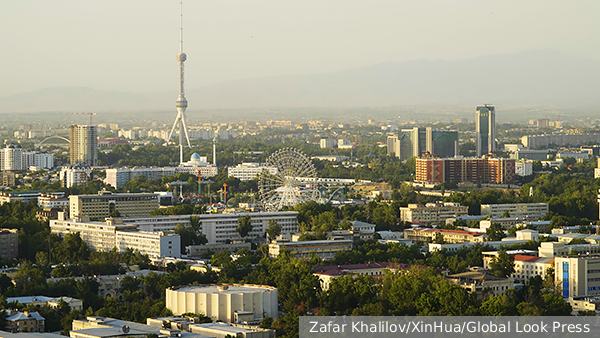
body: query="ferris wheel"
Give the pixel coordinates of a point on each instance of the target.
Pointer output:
(288, 180)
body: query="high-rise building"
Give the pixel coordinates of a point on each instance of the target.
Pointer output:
(485, 121)
(11, 158)
(84, 144)
(417, 141)
(431, 169)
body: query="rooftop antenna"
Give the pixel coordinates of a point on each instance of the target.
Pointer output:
(181, 102)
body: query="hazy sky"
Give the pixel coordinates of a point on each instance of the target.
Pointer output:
(130, 45)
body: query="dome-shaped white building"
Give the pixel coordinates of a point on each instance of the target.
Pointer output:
(233, 303)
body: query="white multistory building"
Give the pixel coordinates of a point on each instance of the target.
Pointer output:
(118, 177)
(75, 174)
(221, 228)
(250, 171)
(327, 143)
(344, 144)
(523, 167)
(519, 210)
(12, 158)
(104, 236)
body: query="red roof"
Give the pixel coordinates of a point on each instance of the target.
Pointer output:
(523, 258)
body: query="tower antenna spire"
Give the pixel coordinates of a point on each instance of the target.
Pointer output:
(181, 27)
(181, 102)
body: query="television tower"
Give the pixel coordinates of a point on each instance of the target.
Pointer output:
(181, 102)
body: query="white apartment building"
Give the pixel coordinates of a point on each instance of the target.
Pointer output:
(220, 228)
(344, 144)
(104, 236)
(327, 143)
(432, 212)
(154, 244)
(523, 167)
(75, 174)
(520, 210)
(578, 275)
(526, 267)
(50, 201)
(120, 176)
(11, 158)
(250, 171)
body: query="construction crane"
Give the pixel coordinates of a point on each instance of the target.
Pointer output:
(90, 114)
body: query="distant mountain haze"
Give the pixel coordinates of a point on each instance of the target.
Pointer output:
(543, 78)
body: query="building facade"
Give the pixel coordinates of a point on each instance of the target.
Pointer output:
(417, 141)
(578, 275)
(250, 171)
(235, 303)
(435, 170)
(324, 249)
(84, 144)
(104, 236)
(75, 174)
(518, 210)
(449, 236)
(432, 212)
(103, 204)
(485, 129)
(9, 244)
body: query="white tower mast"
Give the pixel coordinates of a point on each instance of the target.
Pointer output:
(181, 102)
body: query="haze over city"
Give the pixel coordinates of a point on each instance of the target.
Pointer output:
(264, 53)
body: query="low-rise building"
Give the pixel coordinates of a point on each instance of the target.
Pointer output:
(556, 249)
(25, 196)
(449, 236)
(53, 302)
(481, 282)
(104, 327)
(25, 321)
(199, 250)
(526, 266)
(432, 212)
(519, 210)
(325, 249)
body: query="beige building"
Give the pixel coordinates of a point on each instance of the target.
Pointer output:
(84, 144)
(236, 303)
(519, 210)
(481, 281)
(25, 322)
(432, 212)
(324, 249)
(9, 244)
(449, 236)
(101, 205)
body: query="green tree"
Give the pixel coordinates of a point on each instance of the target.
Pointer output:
(502, 265)
(274, 229)
(495, 232)
(245, 225)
